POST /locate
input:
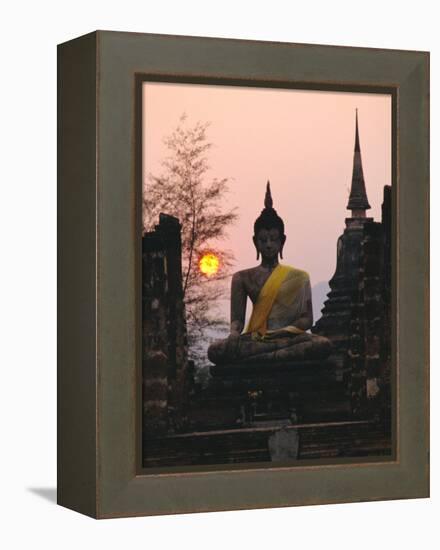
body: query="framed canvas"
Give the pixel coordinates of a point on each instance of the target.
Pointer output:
(243, 274)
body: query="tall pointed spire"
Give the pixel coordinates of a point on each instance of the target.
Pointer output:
(268, 203)
(268, 218)
(357, 147)
(358, 201)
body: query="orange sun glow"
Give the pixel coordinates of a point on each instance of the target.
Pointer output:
(209, 264)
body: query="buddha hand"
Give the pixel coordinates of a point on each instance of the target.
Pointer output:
(232, 342)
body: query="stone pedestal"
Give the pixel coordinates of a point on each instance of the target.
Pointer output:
(275, 391)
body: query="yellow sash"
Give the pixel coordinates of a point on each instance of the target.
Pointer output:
(269, 293)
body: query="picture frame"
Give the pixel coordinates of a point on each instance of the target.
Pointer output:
(99, 274)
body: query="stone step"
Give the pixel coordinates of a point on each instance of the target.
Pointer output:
(325, 440)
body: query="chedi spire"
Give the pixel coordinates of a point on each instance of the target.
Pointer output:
(358, 201)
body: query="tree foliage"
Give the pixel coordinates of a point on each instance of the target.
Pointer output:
(185, 190)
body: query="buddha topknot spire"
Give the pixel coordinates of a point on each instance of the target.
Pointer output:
(269, 215)
(269, 219)
(268, 202)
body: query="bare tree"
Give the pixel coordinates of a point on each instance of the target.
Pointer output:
(185, 190)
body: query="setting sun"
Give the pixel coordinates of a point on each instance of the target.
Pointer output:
(209, 264)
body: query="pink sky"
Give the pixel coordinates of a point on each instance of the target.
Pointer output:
(302, 141)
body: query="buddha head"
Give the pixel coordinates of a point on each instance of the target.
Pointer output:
(269, 237)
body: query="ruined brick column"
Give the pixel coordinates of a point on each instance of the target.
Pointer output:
(164, 347)
(370, 347)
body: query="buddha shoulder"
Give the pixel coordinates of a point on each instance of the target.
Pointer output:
(299, 273)
(246, 274)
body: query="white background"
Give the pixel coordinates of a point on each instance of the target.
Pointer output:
(29, 34)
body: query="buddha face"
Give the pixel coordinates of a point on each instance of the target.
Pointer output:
(269, 242)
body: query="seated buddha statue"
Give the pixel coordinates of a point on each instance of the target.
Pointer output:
(282, 305)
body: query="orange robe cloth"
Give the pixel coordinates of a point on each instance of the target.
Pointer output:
(281, 288)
